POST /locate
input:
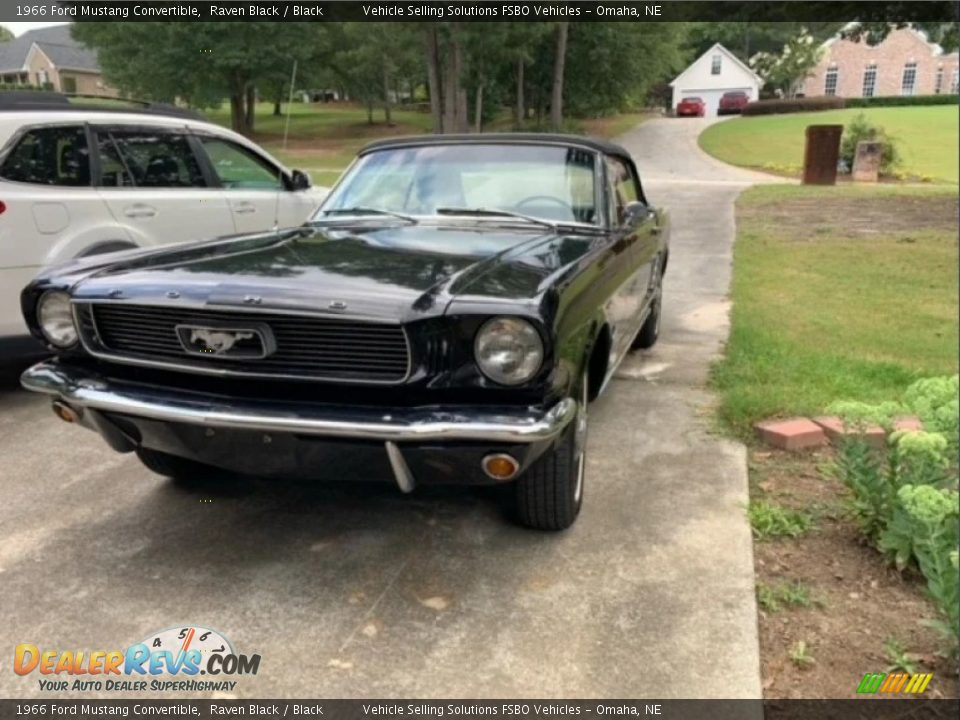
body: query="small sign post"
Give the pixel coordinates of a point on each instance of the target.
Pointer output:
(866, 162)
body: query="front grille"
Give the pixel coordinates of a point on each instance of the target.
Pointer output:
(306, 347)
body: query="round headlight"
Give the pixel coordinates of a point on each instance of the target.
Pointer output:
(56, 319)
(508, 350)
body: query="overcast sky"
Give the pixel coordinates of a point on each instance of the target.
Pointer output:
(19, 28)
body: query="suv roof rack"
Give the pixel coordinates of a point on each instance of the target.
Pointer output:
(11, 100)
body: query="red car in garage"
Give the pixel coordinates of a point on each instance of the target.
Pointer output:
(732, 103)
(691, 107)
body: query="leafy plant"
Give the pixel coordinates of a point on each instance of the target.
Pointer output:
(770, 520)
(859, 130)
(934, 523)
(773, 598)
(800, 655)
(906, 503)
(898, 657)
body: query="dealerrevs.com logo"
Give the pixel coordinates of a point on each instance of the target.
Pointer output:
(168, 660)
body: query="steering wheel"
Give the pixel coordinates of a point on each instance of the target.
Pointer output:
(549, 198)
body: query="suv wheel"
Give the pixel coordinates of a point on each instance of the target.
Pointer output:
(550, 493)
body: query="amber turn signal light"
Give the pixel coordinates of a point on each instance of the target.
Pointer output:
(500, 466)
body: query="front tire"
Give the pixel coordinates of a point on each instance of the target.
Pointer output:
(549, 495)
(650, 330)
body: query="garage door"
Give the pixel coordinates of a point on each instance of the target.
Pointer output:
(712, 97)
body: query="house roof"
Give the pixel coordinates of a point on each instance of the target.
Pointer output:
(55, 42)
(733, 58)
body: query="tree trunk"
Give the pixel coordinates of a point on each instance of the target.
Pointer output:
(433, 79)
(369, 112)
(276, 108)
(386, 95)
(478, 110)
(520, 111)
(556, 99)
(238, 118)
(251, 106)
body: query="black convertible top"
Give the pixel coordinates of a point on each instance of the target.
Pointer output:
(501, 139)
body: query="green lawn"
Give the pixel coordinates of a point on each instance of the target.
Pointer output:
(928, 138)
(838, 293)
(325, 137)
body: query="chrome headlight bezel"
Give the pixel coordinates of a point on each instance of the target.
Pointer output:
(504, 334)
(56, 321)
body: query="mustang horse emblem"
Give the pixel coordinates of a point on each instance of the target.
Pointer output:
(217, 342)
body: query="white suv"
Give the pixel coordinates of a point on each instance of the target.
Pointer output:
(77, 181)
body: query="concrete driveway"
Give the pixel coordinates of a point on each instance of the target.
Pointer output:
(357, 591)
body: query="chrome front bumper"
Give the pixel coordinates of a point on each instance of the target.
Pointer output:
(81, 388)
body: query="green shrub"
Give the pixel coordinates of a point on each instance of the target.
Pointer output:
(794, 105)
(860, 130)
(905, 500)
(902, 100)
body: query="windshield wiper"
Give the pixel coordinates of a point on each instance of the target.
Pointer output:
(490, 212)
(371, 211)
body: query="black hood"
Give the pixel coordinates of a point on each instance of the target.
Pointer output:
(395, 272)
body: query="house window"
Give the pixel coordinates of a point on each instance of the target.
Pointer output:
(830, 81)
(43, 77)
(909, 82)
(69, 84)
(955, 83)
(715, 65)
(938, 81)
(869, 81)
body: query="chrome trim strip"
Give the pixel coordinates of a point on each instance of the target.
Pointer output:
(85, 389)
(401, 470)
(224, 372)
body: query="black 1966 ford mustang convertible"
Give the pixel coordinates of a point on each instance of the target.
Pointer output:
(446, 316)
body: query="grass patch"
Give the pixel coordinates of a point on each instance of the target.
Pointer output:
(774, 598)
(768, 520)
(800, 655)
(928, 138)
(838, 293)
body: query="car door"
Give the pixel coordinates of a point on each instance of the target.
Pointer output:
(637, 234)
(155, 185)
(256, 189)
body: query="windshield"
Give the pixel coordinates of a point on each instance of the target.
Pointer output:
(550, 183)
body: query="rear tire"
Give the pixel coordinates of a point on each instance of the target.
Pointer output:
(549, 495)
(180, 469)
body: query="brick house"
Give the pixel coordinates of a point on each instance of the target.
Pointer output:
(905, 63)
(51, 55)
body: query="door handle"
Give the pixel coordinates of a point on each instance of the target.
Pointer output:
(244, 208)
(140, 211)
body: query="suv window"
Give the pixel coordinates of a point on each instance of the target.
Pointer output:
(148, 159)
(238, 168)
(50, 156)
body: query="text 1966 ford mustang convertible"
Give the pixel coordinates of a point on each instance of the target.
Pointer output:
(445, 317)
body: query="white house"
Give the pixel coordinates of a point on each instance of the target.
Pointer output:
(711, 75)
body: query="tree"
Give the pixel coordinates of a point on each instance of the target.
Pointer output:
(787, 70)
(556, 97)
(5, 34)
(200, 63)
